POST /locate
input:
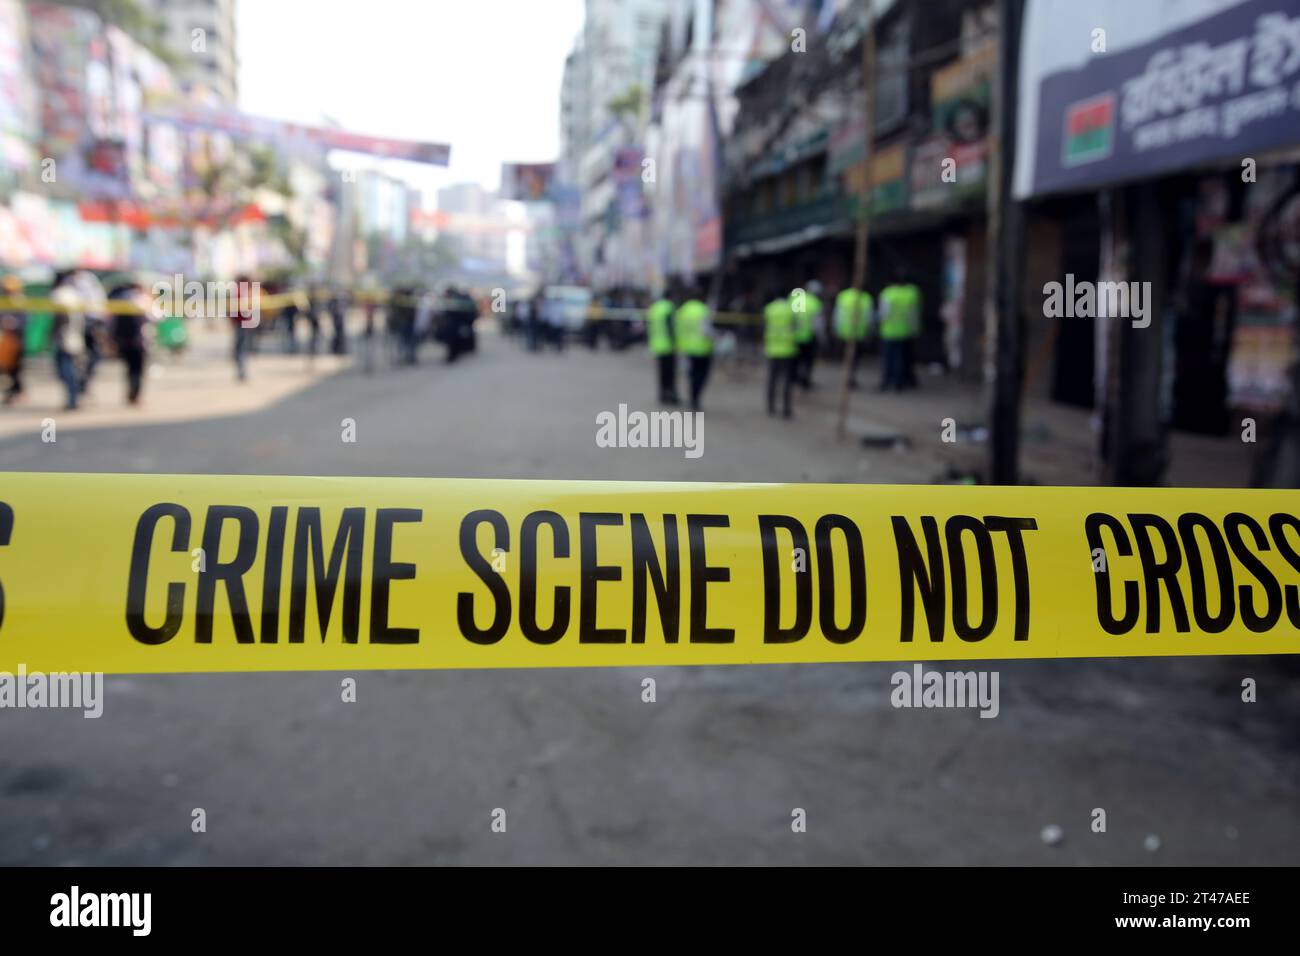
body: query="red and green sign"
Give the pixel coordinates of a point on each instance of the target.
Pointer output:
(1090, 130)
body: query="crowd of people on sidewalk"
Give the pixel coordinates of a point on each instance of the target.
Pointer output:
(85, 324)
(85, 329)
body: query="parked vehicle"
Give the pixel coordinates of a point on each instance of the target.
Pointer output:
(564, 308)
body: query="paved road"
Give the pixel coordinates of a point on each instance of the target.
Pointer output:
(710, 773)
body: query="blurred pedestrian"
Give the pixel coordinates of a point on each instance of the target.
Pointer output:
(315, 302)
(619, 330)
(659, 331)
(13, 325)
(519, 319)
(597, 313)
(458, 312)
(426, 312)
(243, 329)
(289, 318)
(782, 349)
(900, 322)
(693, 335)
(127, 333)
(368, 333)
(853, 316)
(401, 323)
(533, 328)
(94, 323)
(67, 334)
(468, 316)
(338, 309)
(806, 305)
(555, 319)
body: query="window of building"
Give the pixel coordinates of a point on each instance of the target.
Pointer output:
(892, 75)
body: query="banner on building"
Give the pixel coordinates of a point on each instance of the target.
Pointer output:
(944, 172)
(627, 163)
(290, 137)
(528, 182)
(847, 148)
(1195, 81)
(883, 178)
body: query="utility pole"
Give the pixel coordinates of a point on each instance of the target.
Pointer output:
(1138, 451)
(864, 208)
(1004, 320)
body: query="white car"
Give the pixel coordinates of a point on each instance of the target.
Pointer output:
(566, 306)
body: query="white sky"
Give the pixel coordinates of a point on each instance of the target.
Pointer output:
(482, 75)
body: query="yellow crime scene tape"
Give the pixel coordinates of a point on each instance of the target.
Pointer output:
(600, 313)
(27, 304)
(158, 573)
(277, 302)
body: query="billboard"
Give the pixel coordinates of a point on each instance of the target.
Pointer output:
(214, 120)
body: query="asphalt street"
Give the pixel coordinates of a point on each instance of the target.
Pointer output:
(711, 772)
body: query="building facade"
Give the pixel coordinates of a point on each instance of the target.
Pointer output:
(604, 107)
(201, 36)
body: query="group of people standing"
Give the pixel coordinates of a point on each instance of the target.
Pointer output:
(790, 326)
(412, 315)
(791, 334)
(308, 307)
(418, 314)
(793, 327)
(541, 322)
(85, 328)
(686, 330)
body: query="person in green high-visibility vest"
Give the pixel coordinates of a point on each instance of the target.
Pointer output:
(782, 350)
(693, 335)
(807, 307)
(853, 314)
(900, 324)
(659, 331)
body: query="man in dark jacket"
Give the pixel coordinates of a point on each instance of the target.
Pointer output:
(458, 312)
(127, 331)
(401, 323)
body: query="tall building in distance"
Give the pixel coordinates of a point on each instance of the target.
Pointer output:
(603, 108)
(575, 119)
(208, 58)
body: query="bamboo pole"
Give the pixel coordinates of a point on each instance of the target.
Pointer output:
(864, 210)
